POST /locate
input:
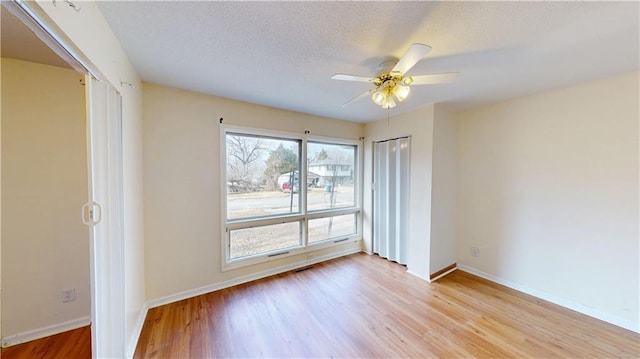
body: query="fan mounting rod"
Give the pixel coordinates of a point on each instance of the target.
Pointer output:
(386, 66)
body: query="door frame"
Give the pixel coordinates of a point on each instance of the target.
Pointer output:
(104, 146)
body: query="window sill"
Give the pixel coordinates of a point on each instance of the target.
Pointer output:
(288, 253)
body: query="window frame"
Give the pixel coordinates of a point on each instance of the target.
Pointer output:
(259, 134)
(303, 216)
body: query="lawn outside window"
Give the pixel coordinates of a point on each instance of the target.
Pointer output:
(286, 194)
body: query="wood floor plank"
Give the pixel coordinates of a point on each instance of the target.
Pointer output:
(365, 306)
(74, 344)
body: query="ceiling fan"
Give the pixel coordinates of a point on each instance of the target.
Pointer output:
(392, 83)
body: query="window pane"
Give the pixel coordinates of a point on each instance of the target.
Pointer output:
(262, 176)
(249, 241)
(330, 176)
(331, 227)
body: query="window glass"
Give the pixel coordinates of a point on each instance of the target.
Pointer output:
(331, 171)
(331, 227)
(250, 241)
(265, 190)
(262, 176)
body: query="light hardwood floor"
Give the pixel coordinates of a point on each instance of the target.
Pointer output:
(365, 306)
(74, 344)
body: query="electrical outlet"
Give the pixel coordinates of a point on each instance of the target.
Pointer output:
(68, 295)
(475, 251)
(309, 256)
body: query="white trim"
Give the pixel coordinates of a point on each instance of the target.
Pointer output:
(45, 331)
(265, 257)
(260, 132)
(49, 33)
(333, 140)
(626, 324)
(443, 274)
(269, 220)
(248, 278)
(104, 106)
(303, 216)
(137, 331)
(224, 232)
(333, 212)
(418, 275)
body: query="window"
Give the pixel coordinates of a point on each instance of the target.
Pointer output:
(332, 227)
(336, 176)
(258, 170)
(246, 242)
(276, 203)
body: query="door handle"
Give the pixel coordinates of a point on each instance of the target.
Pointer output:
(91, 213)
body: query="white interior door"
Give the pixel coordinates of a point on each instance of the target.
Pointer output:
(104, 214)
(104, 211)
(391, 198)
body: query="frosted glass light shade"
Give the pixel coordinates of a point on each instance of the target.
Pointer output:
(401, 92)
(384, 95)
(379, 98)
(390, 103)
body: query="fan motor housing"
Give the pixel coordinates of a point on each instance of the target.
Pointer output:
(386, 66)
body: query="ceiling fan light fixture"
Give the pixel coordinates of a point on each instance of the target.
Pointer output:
(401, 92)
(379, 98)
(391, 84)
(384, 95)
(389, 104)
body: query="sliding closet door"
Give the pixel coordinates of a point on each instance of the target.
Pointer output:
(391, 199)
(104, 214)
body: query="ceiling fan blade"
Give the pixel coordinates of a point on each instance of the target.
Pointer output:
(415, 53)
(433, 79)
(358, 97)
(351, 78)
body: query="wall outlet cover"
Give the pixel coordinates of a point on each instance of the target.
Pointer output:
(68, 295)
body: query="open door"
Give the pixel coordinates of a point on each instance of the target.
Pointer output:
(104, 211)
(104, 214)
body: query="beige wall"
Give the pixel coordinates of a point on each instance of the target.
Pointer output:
(0, 199)
(548, 190)
(419, 125)
(44, 185)
(444, 190)
(89, 33)
(182, 184)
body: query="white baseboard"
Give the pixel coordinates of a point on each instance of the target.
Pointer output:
(555, 300)
(45, 331)
(137, 330)
(248, 278)
(418, 275)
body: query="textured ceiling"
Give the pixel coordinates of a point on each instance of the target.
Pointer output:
(282, 54)
(19, 42)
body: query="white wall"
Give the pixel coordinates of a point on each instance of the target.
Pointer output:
(44, 185)
(419, 125)
(444, 190)
(182, 186)
(91, 36)
(134, 256)
(548, 190)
